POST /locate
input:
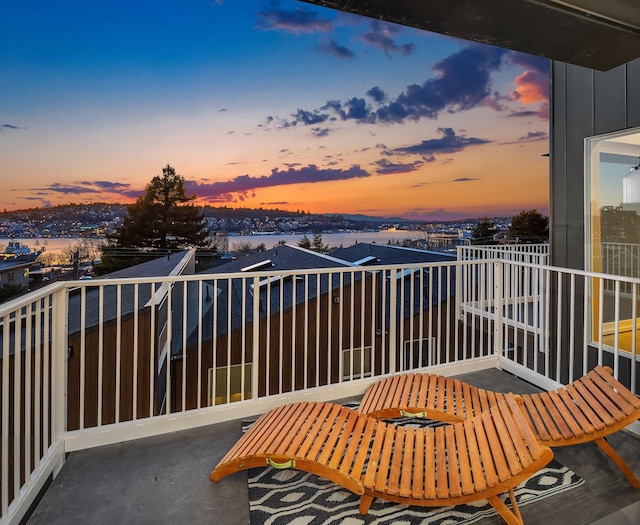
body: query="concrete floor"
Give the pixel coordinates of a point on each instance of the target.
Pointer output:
(164, 480)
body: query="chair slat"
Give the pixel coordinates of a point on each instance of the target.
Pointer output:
(312, 433)
(375, 456)
(477, 471)
(453, 466)
(613, 411)
(361, 453)
(382, 478)
(585, 408)
(442, 479)
(623, 407)
(343, 454)
(466, 476)
(397, 455)
(430, 464)
(326, 425)
(513, 449)
(334, 446)
(535, 418)
(417, 486)
(607, 375)
(556, 428)
(408, 463)
(484, 450)
(582, 422)
(565, 414)
(405, 391)
(493, 453)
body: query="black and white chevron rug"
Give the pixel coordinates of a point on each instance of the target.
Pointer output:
(278, 497)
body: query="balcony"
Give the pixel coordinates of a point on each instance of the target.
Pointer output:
(161, 370)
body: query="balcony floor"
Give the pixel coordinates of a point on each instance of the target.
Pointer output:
(164, 479)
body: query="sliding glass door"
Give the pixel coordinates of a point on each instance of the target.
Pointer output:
(612, 229)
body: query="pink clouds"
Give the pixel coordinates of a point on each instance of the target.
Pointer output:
(531, 87)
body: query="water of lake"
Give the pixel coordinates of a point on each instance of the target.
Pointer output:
(332, 239)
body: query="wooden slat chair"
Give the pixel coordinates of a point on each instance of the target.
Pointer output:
(589, 409)
(479, 458)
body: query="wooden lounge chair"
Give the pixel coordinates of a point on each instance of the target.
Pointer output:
(476, 459)
(589, 409)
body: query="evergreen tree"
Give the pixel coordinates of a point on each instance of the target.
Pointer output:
(317, 245)
(529, 227)
(10, 291)
(484, 232)
(161, 220)
(305, 242)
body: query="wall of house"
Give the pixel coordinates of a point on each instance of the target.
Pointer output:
(584, 103)
(106, 359)
(14, 275)
(311, 335)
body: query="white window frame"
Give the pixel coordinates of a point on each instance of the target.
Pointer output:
(217, 384)
(357, 353)
(430, 353)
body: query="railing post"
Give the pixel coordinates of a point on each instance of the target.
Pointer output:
(256, 338)
(498, 291)
(59, 343)
(393, 320)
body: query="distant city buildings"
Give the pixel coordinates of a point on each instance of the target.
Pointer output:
(99, 220)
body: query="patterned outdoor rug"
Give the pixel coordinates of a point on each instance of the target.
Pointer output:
(279, 497)
(299, 498)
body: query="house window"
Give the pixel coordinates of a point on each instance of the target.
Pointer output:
(419, 353)
(358, 364)
(219, 378)
(10, 276)
(612, 229)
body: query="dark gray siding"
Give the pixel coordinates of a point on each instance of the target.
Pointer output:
(585, 103)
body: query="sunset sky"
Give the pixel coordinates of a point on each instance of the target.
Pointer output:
(265, 103)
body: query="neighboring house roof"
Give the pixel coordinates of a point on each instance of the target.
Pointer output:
(277, 294)
(278, 258)
(163, 266)
(283, 257)
(6, 266)
(389, 254)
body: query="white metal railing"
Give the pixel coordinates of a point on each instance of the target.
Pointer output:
(528, 253)
(95, 362)
(32, 396)
(554, 324)
(620, 259)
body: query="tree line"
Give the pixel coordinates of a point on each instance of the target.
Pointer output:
(527, 227)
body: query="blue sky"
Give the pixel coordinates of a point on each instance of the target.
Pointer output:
(266, 103)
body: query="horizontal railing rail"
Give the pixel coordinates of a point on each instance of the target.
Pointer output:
(94, 362)
(527, 253)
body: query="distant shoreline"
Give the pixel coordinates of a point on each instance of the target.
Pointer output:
(333, 240)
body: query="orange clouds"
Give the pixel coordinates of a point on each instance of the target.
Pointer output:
(531, 87)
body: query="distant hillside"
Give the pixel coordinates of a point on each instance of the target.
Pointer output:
(224, 212)
(105, 211)
(78, 212)
(371, 218)
(100, 211)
